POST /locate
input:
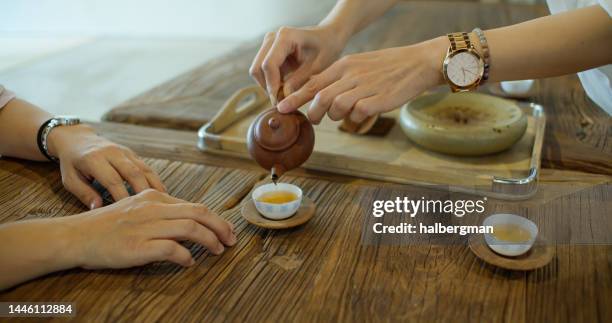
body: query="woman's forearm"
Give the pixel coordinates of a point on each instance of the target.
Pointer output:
(551, 46)
(19, 124)
(350, 16)
(32, 248)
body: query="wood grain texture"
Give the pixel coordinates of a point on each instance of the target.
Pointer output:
(321, 271)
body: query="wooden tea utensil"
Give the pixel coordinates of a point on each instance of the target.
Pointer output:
(538, 256)
(358, 128)
(303, 215)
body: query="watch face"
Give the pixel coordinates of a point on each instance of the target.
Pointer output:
(464, 69)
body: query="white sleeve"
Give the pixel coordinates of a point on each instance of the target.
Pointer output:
(606, 5)
(5, 96)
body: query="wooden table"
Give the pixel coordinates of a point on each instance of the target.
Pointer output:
(577, 135)
(324, 270)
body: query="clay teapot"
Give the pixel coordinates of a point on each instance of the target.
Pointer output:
(280, 141)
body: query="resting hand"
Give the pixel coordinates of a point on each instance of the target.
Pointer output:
(362, 85)
(292, 55)
(145, 228)
(85, 156)
(134, 231)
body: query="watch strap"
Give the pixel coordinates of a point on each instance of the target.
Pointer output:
(459, 41)
(45, 129)
(41, 138)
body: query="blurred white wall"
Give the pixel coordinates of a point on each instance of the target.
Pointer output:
(82, 57)
(238, 19)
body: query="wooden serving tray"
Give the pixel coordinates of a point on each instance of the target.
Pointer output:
(511, 174)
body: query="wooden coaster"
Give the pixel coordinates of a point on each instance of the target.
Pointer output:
(538, 256)
(303, 214)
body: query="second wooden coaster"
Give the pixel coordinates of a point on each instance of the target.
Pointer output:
(303, 215)
(539, 256)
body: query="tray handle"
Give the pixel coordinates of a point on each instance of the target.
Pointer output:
(240, 104)
(522, 188)
(235, 109)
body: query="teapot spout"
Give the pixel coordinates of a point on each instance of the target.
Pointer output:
(276, 172)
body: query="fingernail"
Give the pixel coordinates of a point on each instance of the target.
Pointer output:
(220, 249)
(288, 89)
(283, 106)
(233, 240)
(191, 263)
(92, 205)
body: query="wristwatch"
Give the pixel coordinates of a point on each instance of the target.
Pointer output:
(463, 67)
(45, 129)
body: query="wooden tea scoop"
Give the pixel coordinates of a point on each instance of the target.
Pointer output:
(358, 128)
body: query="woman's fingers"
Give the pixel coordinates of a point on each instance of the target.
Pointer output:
(366, 107)
(151, 176)
(310, 89)
(103, 172)
(129, 172)
(165, 250)
(203, 216)
(345, 103)
(297, 78)
(187, 229)
(255, 70)
(76, 184)
(281, 48)
(326, 101)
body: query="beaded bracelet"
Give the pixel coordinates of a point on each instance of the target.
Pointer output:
(486, 57)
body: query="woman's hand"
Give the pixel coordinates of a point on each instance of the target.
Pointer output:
(134, 231)
(292, 55)
(362, 85)
(146, 228)
(85, 156)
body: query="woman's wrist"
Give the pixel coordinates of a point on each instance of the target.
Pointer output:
(59, 138)
(336, 30)
(433, 52)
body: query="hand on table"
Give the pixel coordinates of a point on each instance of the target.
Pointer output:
(135, 231)
(85, 156)
(146, 228)
(292, 55)
(362, 85)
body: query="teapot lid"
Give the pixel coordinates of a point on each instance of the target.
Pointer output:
(276, 131)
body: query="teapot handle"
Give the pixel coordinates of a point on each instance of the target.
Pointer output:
(233, 110)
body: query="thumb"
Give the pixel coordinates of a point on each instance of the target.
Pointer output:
(76, 184)
(297, 78)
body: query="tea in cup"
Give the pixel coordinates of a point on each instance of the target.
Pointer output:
(277, 201)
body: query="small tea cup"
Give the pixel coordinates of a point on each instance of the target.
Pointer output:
(517, 87)
(277, 211)
(507, 248)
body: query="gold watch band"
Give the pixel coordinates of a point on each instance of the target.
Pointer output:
(459, 41)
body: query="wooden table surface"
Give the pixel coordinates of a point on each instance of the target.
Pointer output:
(320, 271)
(577, 134)
(325, 270)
